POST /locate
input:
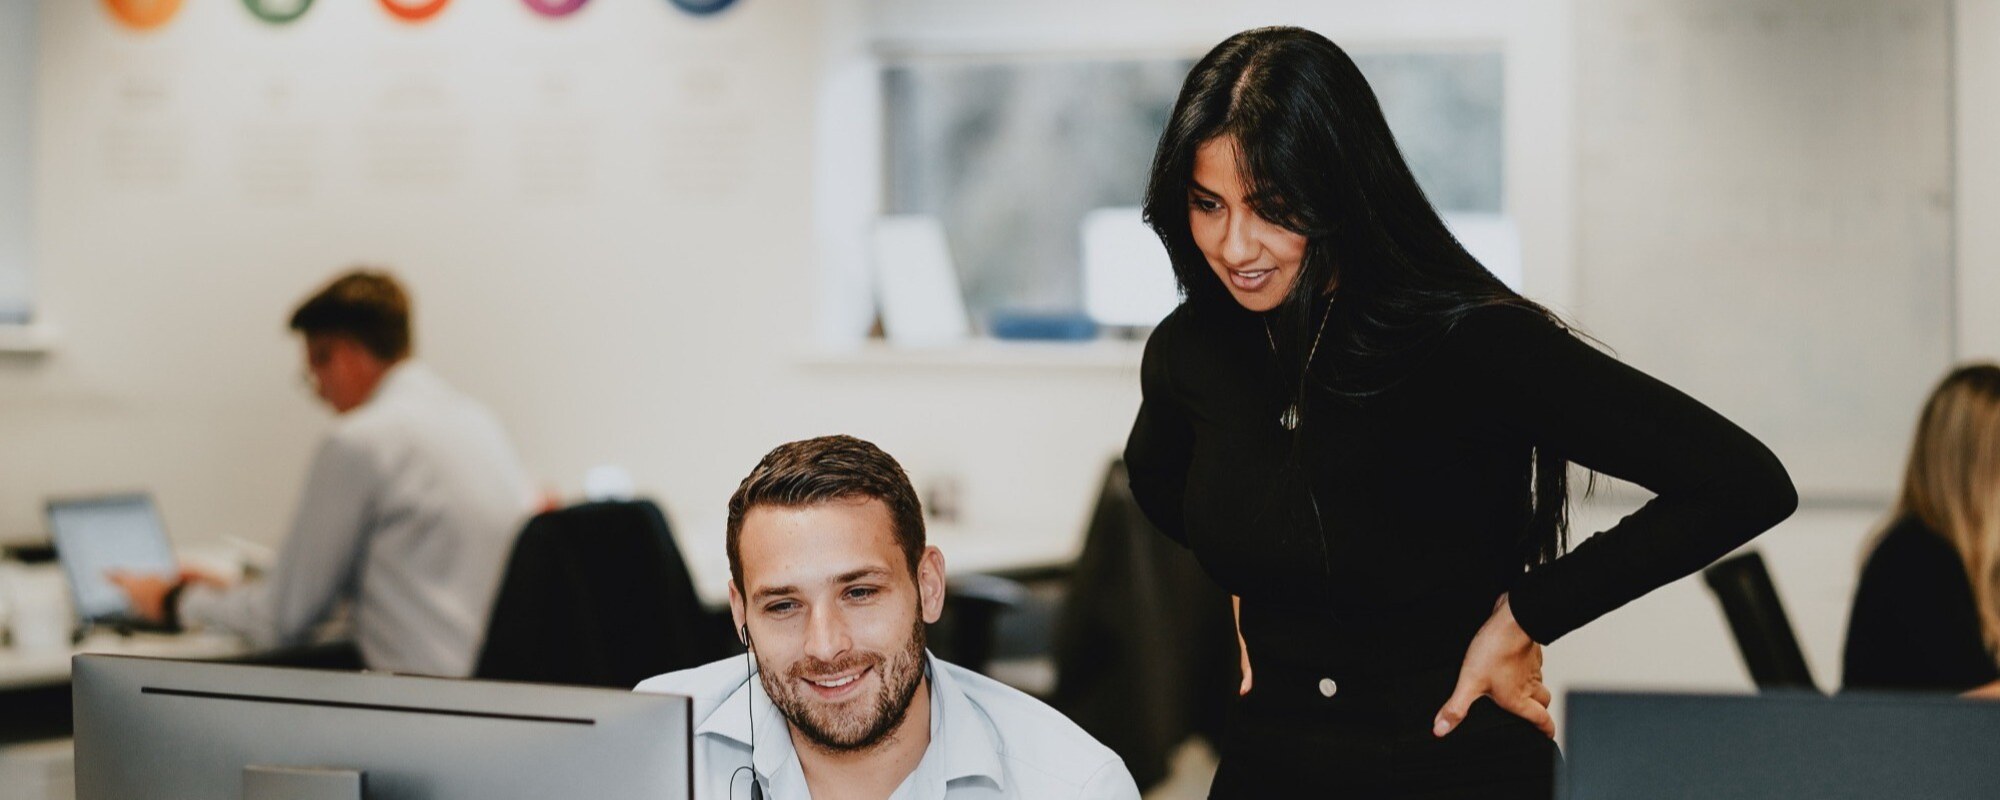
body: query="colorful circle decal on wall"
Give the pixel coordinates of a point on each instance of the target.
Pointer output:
(703, 7)
(143, 15)
(414, 10)
(555, 8)
(278, 12)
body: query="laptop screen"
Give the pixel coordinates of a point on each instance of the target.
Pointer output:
(98, 535)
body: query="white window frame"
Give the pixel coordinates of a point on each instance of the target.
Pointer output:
(1534, 37)
(18, 32)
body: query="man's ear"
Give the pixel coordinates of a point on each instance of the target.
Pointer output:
(930, 583)
(344, 350)
(736, 614)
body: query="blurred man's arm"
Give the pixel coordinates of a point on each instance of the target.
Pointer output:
(315, 565)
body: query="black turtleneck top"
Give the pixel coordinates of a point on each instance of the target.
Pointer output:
(1377, 537)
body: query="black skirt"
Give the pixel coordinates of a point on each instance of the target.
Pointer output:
(1372, 739)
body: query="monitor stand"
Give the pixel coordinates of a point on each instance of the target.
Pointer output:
(301, 783)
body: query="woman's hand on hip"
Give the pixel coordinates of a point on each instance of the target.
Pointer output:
(1242, 649)
(1502, 663)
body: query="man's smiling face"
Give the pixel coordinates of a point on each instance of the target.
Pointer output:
(836, 617)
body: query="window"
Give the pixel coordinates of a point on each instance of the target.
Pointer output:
(1011, 154)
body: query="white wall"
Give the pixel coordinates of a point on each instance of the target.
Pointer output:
(1977, 81)
(1730, 256)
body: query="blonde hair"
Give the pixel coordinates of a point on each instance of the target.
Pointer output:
(1952, 484)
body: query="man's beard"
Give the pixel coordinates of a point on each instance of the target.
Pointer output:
(860, 723)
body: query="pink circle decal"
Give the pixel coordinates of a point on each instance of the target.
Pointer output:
(555, 8)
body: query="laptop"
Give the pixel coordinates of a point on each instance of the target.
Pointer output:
(94, 536)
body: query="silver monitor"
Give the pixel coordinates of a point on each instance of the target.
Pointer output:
(181, 729)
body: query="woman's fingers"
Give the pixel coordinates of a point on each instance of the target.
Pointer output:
(1502, 662)
(1530, 702)
(1458, 706)
(1534, 711)
(1242, 648)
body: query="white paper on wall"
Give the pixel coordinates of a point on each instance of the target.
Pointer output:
(1491, 238)
(915, 283)
(1127, 277)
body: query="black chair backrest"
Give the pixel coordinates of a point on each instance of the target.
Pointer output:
(1145, 648)
(1757, 618)
(597, 595)
(968, 632)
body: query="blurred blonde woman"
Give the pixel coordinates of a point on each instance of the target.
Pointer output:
(1927, 612)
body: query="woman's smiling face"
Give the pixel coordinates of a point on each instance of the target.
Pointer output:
(1255, 258)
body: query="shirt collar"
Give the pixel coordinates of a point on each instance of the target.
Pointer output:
(970, 745)
(731, 720)
(959, 731)
(398, 378)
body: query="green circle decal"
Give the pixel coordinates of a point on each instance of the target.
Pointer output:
(278, 12)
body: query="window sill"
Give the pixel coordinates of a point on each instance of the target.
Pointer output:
(984, 353)
(26, 339)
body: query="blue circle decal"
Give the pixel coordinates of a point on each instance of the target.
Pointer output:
(703, 7)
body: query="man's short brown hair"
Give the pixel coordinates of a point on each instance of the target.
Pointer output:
(367, 306)
(822, 470)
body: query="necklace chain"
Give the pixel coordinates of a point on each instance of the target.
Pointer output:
(1316, 337)
(1289, 420)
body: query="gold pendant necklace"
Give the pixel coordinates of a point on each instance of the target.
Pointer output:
(1289, 420)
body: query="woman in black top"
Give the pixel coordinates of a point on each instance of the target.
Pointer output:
(1927, 612)
(1364, 435)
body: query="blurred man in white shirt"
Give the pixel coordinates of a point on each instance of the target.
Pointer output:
(409, 511)
(831, 587)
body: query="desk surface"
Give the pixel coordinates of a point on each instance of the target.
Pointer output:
(30, 670)
(966, 551)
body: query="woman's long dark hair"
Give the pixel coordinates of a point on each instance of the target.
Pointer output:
(1318, 158)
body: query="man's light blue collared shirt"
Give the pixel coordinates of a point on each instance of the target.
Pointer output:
(988, 740)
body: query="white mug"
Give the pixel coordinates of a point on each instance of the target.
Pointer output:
(38, 606)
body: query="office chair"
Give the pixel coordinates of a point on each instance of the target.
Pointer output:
(1145, 647)
(968, 631)
(1757, 619)
(597, 595)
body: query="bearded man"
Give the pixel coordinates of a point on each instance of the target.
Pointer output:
(831, 586)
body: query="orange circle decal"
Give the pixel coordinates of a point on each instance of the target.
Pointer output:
(143, 15)
(414, 10)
